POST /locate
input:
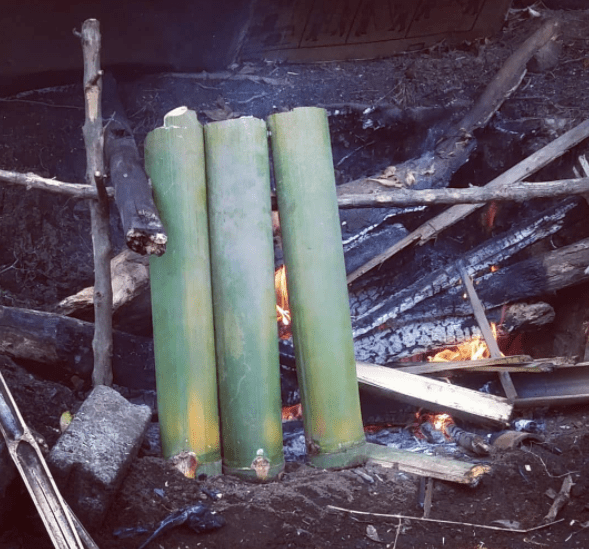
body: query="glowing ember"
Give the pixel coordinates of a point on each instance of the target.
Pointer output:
(290, 413)
(439, 422)
(282, 307)
(473, 349)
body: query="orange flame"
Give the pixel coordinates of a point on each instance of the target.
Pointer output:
(282, 307)
(290, 413)
(473, 349)
(440, 422)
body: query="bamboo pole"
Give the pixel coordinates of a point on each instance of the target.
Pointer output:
(99, 210)
(316, 280)
(244, 301)
(181, 293)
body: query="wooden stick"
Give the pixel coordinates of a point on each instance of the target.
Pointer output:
(429, 492)
(517, 173)
(434, 367)
(33, 181)
(99, 212)
(440, 521)
(521, 363)
(481, 318)
(517, 192)
(561, 499)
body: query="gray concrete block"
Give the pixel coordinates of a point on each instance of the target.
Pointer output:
(92, 456)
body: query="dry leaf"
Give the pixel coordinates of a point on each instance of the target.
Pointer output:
(224, 112)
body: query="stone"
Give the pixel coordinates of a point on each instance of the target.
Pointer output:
(91, 458)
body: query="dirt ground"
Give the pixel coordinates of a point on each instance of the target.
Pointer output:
(296, 512)
(46, 255)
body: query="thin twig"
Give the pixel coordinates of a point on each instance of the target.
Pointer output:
(397, 533)
(440, 521)
(546, 468)
(225, 76)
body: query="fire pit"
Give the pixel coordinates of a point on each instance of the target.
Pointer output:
(381, 114)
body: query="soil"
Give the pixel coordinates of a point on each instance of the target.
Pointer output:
(47, 255)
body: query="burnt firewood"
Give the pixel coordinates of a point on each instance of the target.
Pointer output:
(394, 302)
(59, 347)
(434, 226)
(432, 312)
(142, 227)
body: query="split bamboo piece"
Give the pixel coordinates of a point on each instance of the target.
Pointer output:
(244, 300)
(181, 293)
(316, 281)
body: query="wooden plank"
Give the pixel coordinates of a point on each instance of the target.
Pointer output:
(426, 465)
(436, 395)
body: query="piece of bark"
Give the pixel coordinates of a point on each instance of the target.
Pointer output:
(518, 192)
(517, 173)
(99, 209)
(61, 347)
(142, 227)
(33, 181)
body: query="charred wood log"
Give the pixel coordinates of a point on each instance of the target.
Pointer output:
(437, 224)
(394, 301)
(432, 332)
(142, 227)
(435, 168)
(61, 347)
(432, 313)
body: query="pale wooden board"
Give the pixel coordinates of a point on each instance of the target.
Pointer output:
(434, 394)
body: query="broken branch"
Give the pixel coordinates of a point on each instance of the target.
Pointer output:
(142, 227)
(33, 181)
(517, 192)
(561, 499)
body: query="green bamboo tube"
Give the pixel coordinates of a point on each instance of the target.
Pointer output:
(244, 301)
(181, 293)
(316, 281)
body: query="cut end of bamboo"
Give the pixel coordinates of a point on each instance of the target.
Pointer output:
(179, 111)
(179, 117)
